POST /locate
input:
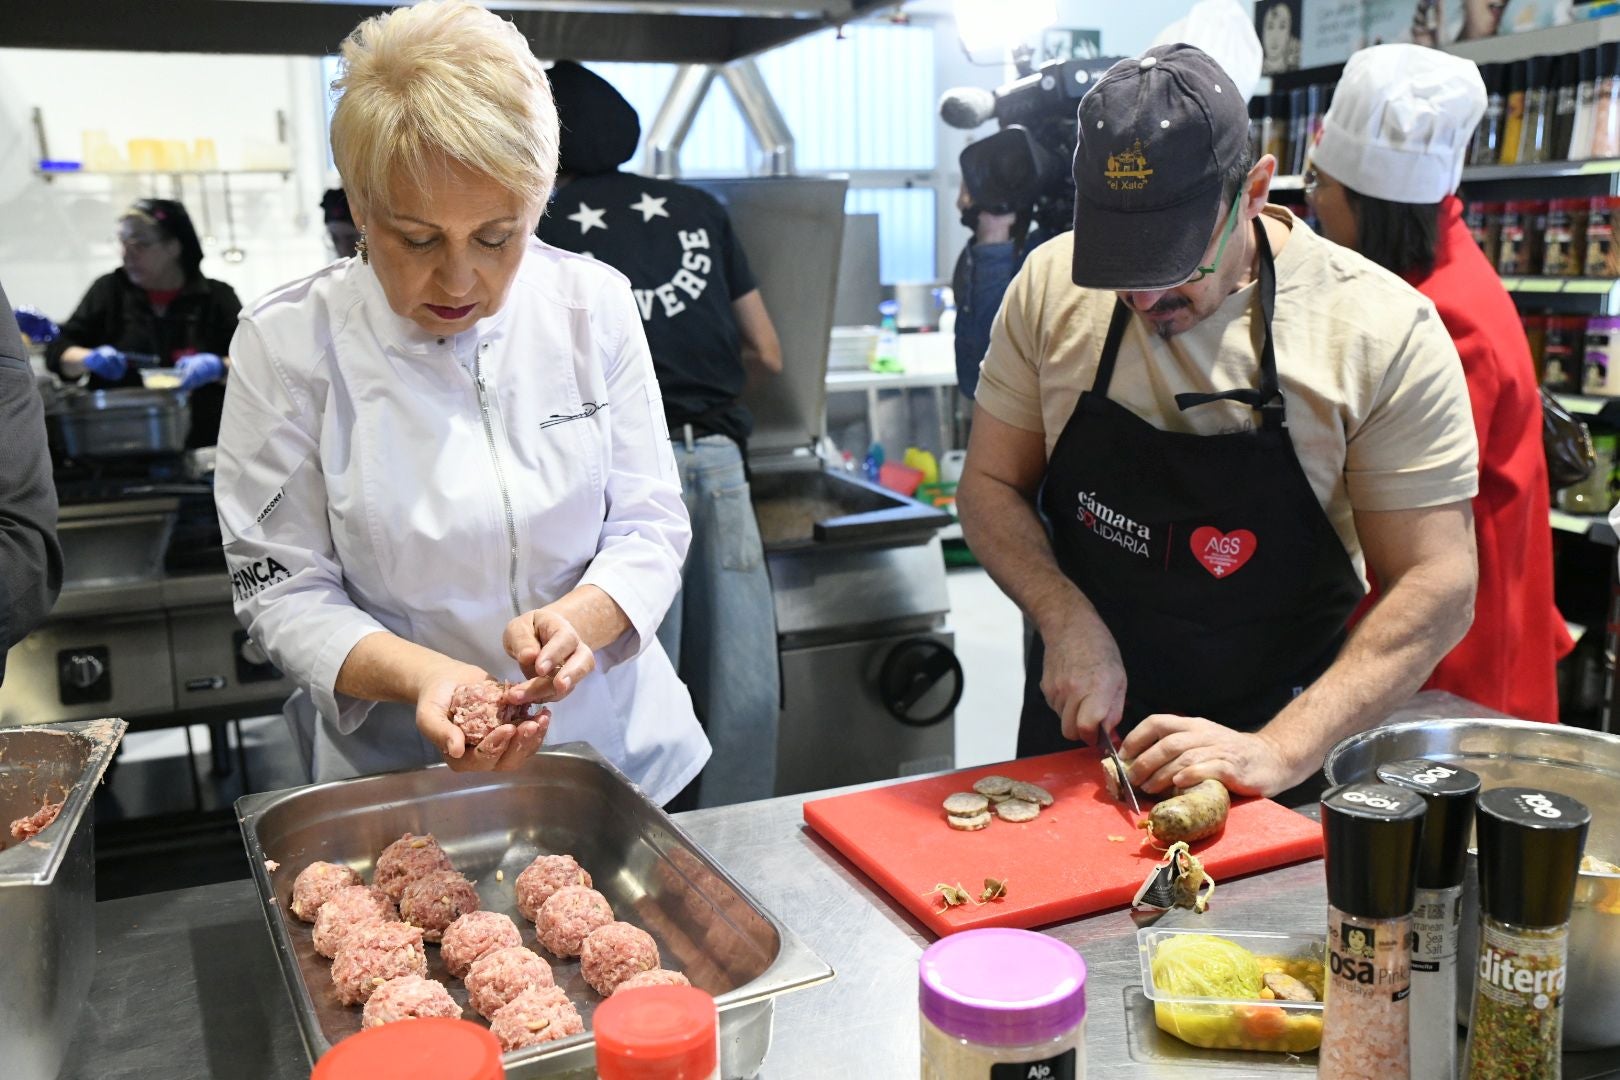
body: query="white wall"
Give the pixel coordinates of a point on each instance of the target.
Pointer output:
(56, 237)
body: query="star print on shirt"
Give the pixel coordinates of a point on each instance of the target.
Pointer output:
(588, 219)
(650, 207)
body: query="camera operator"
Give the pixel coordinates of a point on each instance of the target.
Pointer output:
(1017, 191)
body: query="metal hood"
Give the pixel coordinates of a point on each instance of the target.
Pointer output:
(672, 31)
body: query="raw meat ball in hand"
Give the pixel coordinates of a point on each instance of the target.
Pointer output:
(655, 977)
(408, 997)
(544, 876)
(434, 901)
(502, 975)
(613, 953)
(479, 708)
(474, 936)
(372, 955)
(315, 883)
(349, 907)
(535, 1017)
(569, 915)
(407, 859)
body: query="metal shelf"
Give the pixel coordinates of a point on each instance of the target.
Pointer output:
(1540, 171)
(1604, 290)
(1593, 527)
(1600, 409)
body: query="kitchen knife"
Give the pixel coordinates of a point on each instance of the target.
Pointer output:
(1124, 777)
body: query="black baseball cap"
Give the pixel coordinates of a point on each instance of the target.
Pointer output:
(1155, 136)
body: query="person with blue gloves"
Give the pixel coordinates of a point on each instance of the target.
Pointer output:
(157, 309)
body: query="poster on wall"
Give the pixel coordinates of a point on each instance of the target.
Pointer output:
(1298, 34)
(1064, 43)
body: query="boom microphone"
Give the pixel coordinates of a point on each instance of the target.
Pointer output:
(967, 107)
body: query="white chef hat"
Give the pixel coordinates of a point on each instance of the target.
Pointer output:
(1400, 123)
(1225, 30)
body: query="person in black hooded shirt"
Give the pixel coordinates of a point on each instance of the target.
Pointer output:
(709, 334)
(156, 304)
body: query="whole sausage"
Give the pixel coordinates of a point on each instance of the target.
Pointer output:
(1193, 814)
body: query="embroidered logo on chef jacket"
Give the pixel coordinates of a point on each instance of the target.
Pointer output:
(1128, 170)
(1113, 526)
(257, 576)
(1221, 553)
(588, 409)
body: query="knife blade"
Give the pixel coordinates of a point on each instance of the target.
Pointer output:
(1124, 778)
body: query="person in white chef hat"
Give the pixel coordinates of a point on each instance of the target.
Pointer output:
(1224, 30)
(1382, 181)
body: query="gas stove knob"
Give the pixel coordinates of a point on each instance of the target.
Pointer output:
(84, 670)
(252, 654)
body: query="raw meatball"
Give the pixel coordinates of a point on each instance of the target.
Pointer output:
(372, 955)
(25, 828)
(545, 876)
(571, 913)
(315, 885)
(407, 859)
(475, 935)
(502, 975)
(535, 1017)
(409, 997)
(349, 907)
(434, 901)
(479, 708)
(613, 953)
(655, 977)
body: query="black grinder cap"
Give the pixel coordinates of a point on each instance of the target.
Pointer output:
(1449, 792)
(1370, 839)
(1530, 845)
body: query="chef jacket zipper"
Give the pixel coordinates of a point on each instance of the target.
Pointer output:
(500, 478)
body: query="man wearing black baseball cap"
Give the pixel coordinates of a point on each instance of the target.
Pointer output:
(1225, 423)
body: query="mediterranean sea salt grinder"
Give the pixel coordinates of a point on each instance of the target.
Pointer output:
(1370, 835)
(1530, 845)
(1449, 793)
(1002, 1005)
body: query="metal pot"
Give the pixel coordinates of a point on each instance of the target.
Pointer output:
(123, 422)
(1578, 763)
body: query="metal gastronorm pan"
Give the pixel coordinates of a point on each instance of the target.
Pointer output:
(566, 800)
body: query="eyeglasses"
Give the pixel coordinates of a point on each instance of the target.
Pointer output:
(1202, 272)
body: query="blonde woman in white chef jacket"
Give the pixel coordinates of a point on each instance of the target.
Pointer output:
(445, 459)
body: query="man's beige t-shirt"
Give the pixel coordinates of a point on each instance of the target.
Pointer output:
(1377, 405)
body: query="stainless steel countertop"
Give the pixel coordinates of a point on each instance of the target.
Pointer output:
(186, 984)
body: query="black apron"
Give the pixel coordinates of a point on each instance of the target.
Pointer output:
(1208, 557)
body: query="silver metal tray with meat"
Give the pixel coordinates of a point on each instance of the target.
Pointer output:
(566, 800)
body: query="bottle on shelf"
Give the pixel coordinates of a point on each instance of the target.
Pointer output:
(1563, 248)
(1513, 126)
(1567, 81)
(1486, 147)
(1274, 129)
(1535, 131)
(1580, 139)
(1606, 106)
(1602, 255)
(1299, 128)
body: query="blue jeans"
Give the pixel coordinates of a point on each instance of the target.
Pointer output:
(720, 632)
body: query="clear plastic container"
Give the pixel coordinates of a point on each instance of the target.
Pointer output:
(999, 998)
(1280, 1027)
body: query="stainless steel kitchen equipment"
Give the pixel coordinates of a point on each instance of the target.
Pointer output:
(870, 679)
(115, 543)
(1581, 764)
(566, 799)
(95, 425)
(48, 889)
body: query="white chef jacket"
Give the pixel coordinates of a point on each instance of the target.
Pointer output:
(365, 485)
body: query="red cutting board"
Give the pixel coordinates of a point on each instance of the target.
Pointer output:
(1059, 866)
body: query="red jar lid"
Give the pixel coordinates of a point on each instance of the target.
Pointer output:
(432, 1049)
(657, 1033)
(1568, 205)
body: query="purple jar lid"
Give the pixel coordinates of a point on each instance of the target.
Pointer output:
(1002, 987)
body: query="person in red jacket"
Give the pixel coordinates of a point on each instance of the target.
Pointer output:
(1382, 180)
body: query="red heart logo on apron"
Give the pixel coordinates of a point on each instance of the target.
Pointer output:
(1222, 554)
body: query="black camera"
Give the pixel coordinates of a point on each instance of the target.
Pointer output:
(1025, 167)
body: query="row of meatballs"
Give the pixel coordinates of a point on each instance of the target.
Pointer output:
(374, 936)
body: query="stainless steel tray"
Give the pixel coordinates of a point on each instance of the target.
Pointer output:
(566, 800)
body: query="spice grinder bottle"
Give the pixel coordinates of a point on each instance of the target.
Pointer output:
(1449, 793)
(1513, 125)
(1486, 146)
(1535, 132)
(1299, 129)
(1580, 140)
(1606, 102)
(1257, 119)
(1370, 837)
(1530, 846)
(1274, 130)
(1567, 79)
